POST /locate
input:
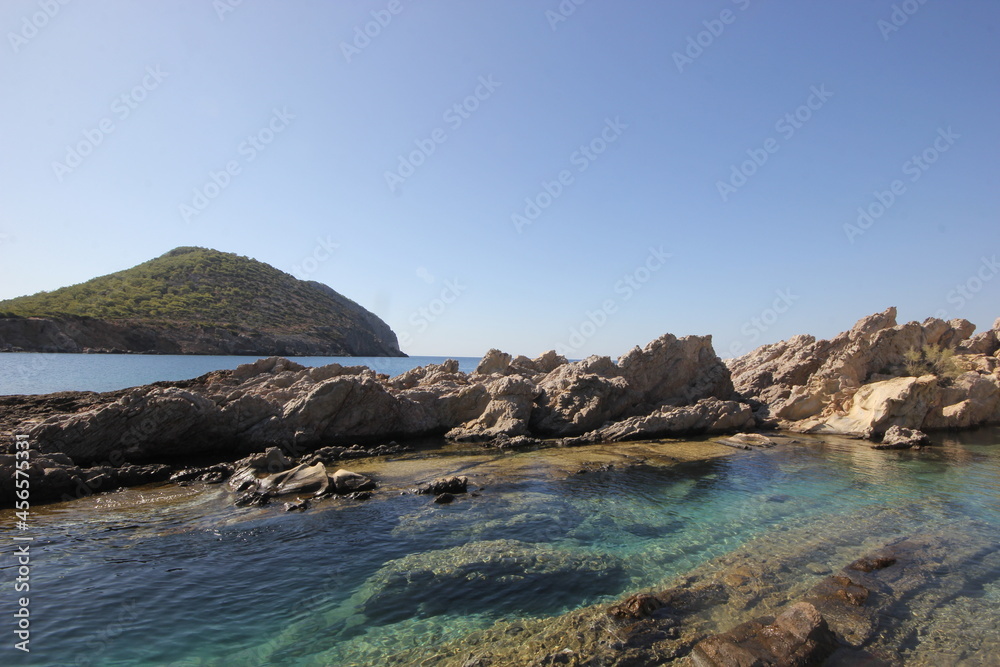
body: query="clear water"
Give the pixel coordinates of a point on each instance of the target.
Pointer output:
(36, 373)
(178, 576)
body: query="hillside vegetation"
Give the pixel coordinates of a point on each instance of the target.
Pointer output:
(206, 288)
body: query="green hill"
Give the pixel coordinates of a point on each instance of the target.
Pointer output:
(202, 289)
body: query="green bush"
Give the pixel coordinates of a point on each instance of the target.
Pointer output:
(932, 360)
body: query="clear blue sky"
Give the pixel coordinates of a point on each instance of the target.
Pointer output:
(653, 198)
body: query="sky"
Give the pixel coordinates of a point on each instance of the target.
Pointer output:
(581, 175)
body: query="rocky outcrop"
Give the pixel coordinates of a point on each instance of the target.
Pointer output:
(323, 414)
(709, 415)
(859, 382)
(898, 437)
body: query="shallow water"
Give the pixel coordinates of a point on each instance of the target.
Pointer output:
(171, 575)
(38, 373)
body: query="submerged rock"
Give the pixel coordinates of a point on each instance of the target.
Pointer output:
(457, 580)
(798, 636)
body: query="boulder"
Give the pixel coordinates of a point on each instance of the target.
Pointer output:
(345, 481)
(300, 479)
(897, 437)
(493, 362)
(454, 484)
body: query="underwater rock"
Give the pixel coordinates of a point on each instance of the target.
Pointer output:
(798, 636)
(459, 579)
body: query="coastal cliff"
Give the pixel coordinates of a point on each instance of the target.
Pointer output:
(195, 301)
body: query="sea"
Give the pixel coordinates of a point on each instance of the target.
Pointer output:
(177, 575)
(40, 373)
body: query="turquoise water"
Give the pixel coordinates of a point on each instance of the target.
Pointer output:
(178, 576)
(36, 373)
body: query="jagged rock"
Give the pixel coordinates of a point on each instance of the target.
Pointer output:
(897, 437)
(428, 375)
(581, 396)
(507, 414)
(345, 482)
(855, 384)
(441, 485)
(671, 369)
(444, 498)
(709, 415)
(549, 361)
(492, 362)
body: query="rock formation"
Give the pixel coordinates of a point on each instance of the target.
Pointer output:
(859, 382)
(862, 383)
(673, 386)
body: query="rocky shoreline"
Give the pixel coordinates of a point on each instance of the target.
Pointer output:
(879, 381)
